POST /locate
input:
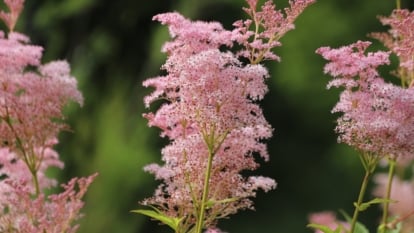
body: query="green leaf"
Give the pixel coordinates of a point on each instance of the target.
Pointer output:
(359, 227)
(158, 215)
(346, 216)
(322, 228)
(365, 205)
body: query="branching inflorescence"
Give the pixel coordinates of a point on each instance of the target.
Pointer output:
(211, 116)
(377, 116)
(32, 96)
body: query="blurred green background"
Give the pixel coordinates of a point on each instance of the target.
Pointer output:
(113, 46)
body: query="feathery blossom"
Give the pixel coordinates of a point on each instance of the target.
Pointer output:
(32, 96)
(351, 66)
(377, 116)
(25, 212)
(54, 213)
(211, 103)
(210, 110)
(14, 168)
(214, 230)
(399, 40)
(328, 219)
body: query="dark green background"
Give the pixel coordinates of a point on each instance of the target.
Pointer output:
(113, 46)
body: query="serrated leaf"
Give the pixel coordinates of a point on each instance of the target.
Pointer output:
(322, 228)
(158, 215)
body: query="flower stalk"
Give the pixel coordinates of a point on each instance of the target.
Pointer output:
(385, 213)
(200, 220)
(369, 162)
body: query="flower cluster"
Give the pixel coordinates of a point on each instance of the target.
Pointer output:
(377, 116)
(24, 211)
(211, 115)
(329, 220)
(210, 108)
(399, 40)
(32, 96)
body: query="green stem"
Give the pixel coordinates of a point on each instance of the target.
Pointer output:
(36, 183)
(391, 170)
(199, 226)
(369, 161)
(360, 199)
(398, 3)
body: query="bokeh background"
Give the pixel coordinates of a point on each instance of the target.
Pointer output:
(114, 45)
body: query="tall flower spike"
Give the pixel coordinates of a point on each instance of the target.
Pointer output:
(377, 116)
(210, 114)
(32, 97)
(31, 102)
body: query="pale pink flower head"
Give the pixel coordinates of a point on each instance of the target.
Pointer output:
(328, 219)
(377, 116)
(23, 210)
(378, 120)
(54, 213)
(211, 96)
(214, 230)
(399, 40)
(191, 36)
(351, 66)
(209, 107)
(32, 95)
